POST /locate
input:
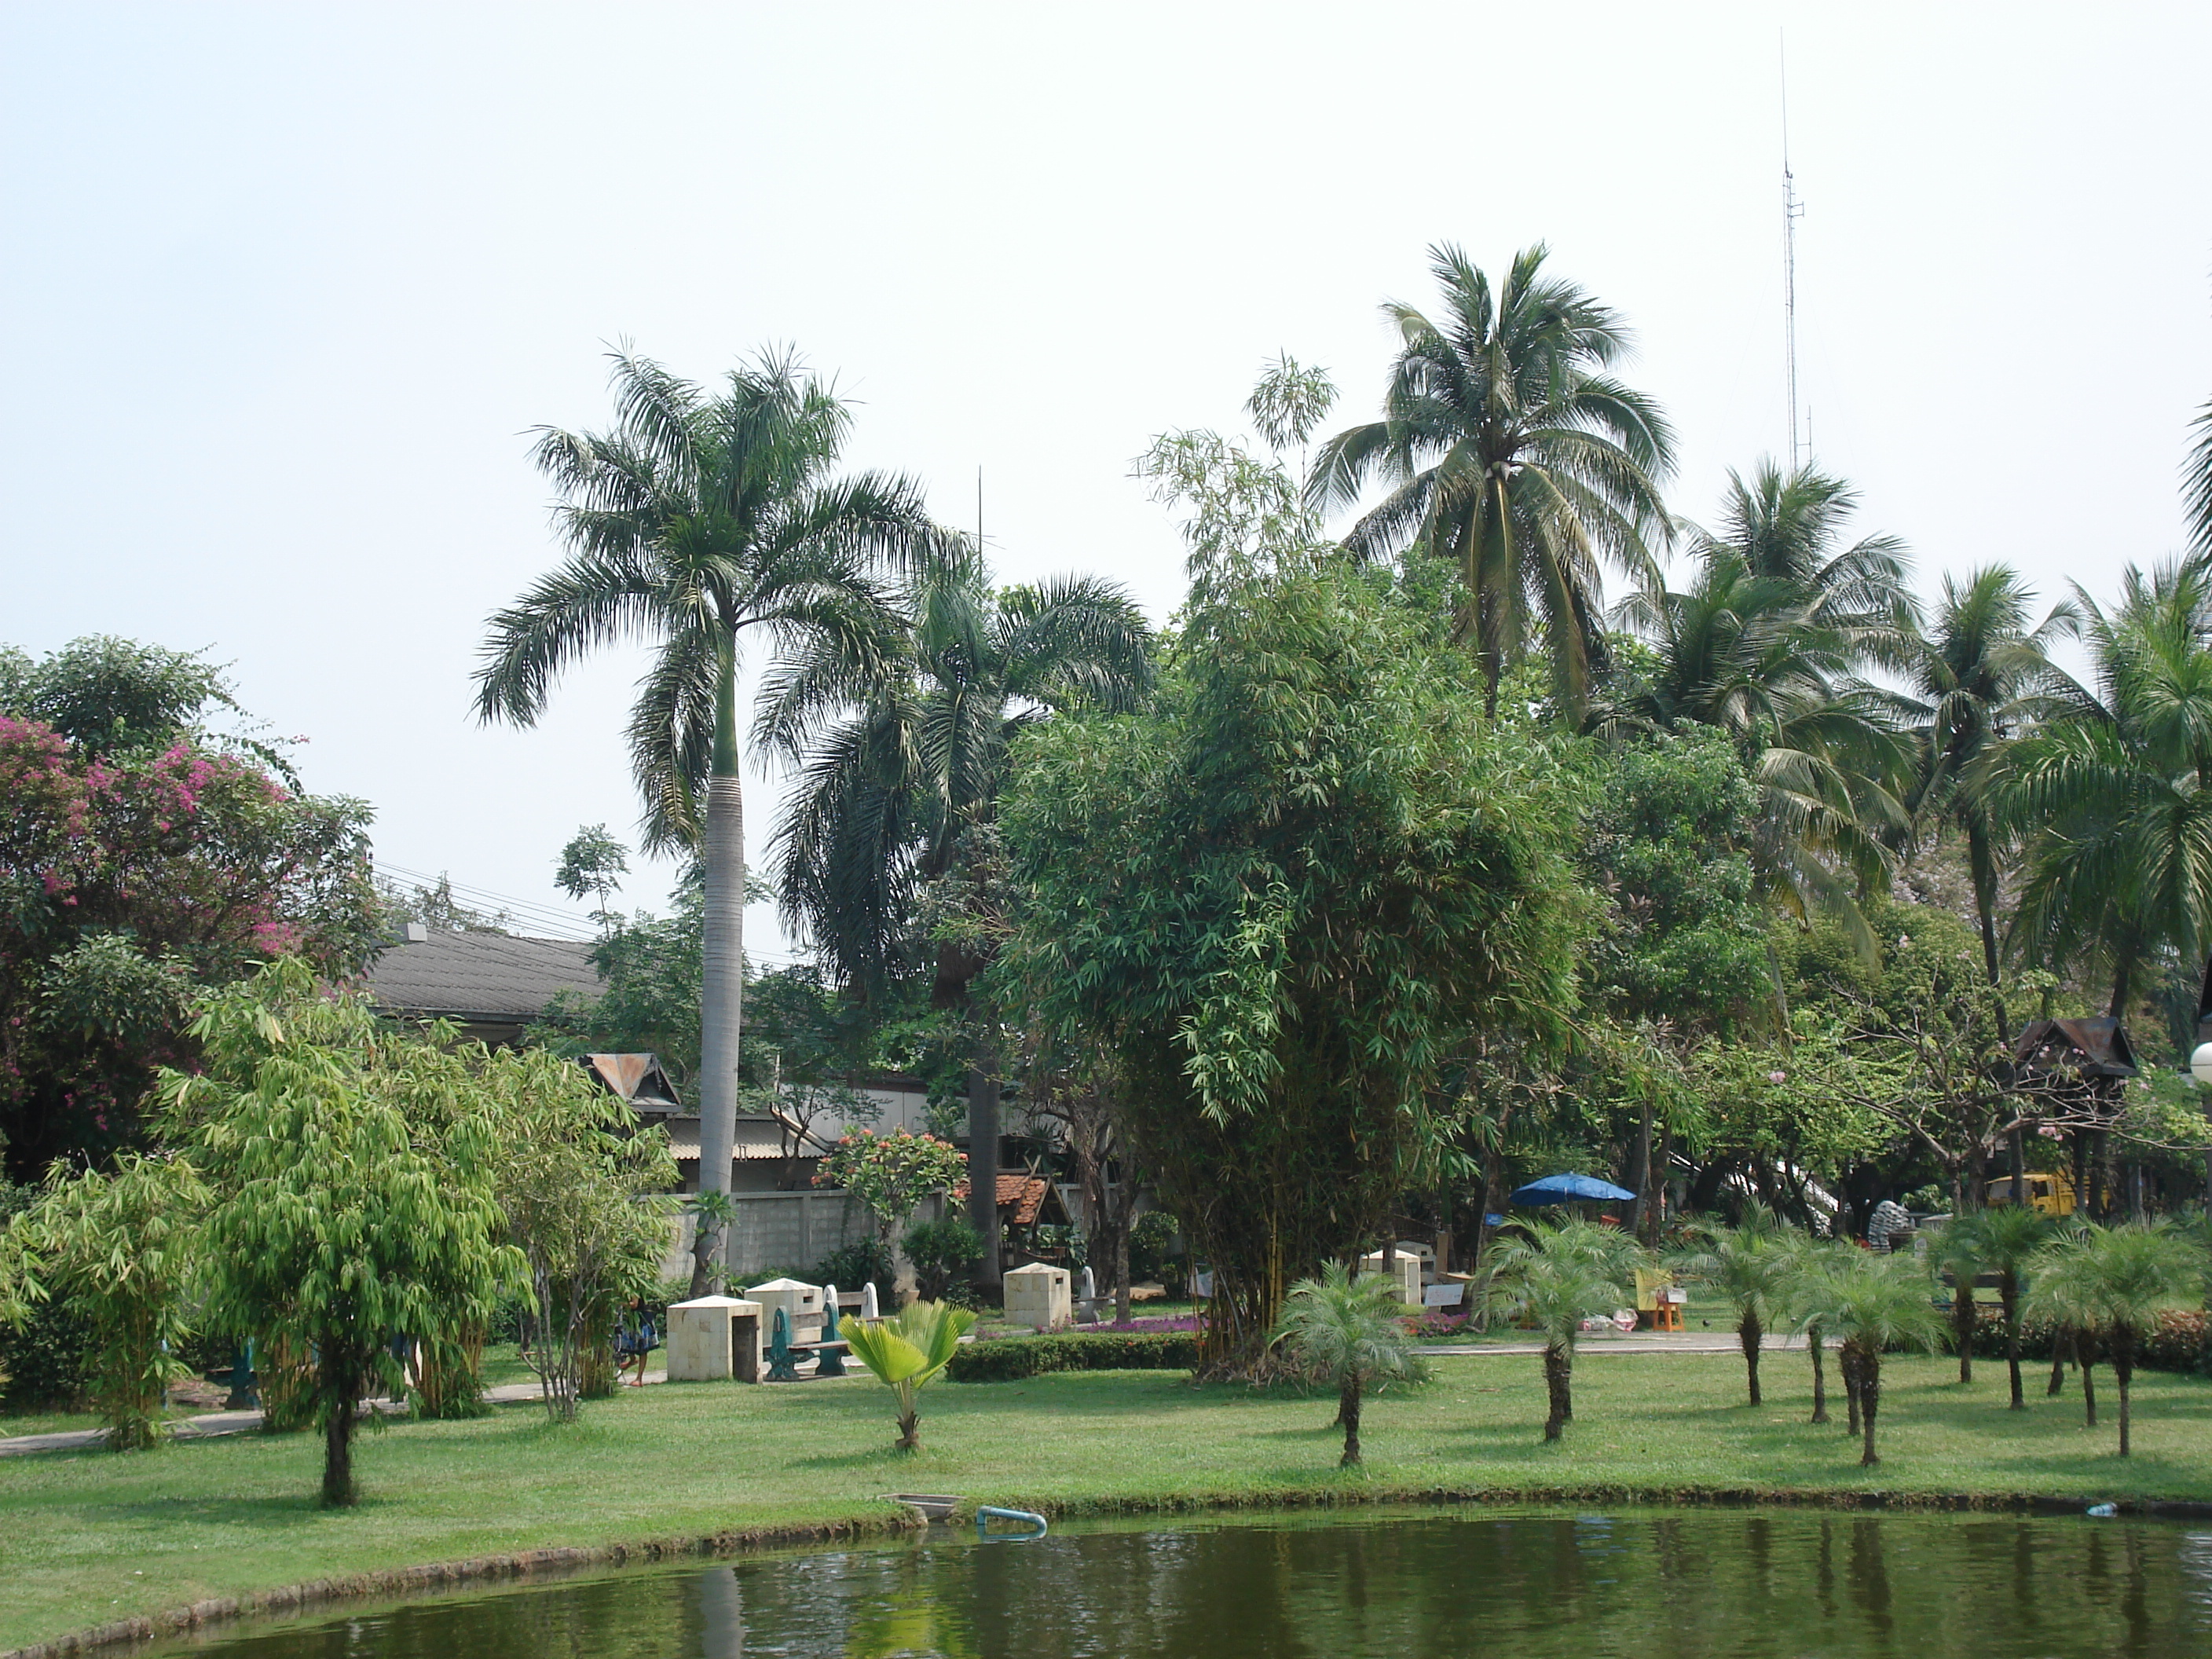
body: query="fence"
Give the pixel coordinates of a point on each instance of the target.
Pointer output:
(791, 1231)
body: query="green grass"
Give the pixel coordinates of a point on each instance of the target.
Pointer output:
(87, 1537)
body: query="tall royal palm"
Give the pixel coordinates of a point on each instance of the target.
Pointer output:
(698, 518)
(1980, 674)
(1509, 450)
(2196, 483)
(901, 760)
(2113, 791)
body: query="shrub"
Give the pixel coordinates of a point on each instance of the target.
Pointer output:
(864, 1261)
(1151, 1246)
(45, 1361)
(1010, 1359)
(940, 1250)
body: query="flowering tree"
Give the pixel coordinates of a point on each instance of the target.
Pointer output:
(137, 867)
(890, 1174)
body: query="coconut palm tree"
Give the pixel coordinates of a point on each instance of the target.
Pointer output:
(1510, 451)
(2002, 1239)
(1787, 528)
(2113, 790)
(1751, 1266)
(2196, 483)
(1553, 1275)
(2116, 1280)
(1979, 674)
(1347, 1334)
(698, 519)
(1874, 1303)
(900, 759)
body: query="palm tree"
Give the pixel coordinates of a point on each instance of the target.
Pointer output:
(1751, 1266)
(1511, 452)
(1787, 528)
(2116, 1280)
(1958, 1253)
(1978, 673)
(1874, 1303)
(2114, 790)
(908, 1350)
(2197, 485)
(1809, 1259)
(2002, 1239)
(1553, 1275)
(902, 757)
(697, 519)
(1346, 1334)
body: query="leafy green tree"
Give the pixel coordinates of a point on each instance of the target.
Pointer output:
(1750, 1266)
(2112, 791)
(592, 866)
(121, 1251)
(942, 1252)
(1978, 674)
(1348, 1334)
(1511, 452)
(698, 521)
(2115, 1281)
(903, 759)
(339, 1222)
(1874, 1303)
(1282, 900)
(582, 1195)
(1552, 1275)
(889, 1173)
(908, 1350)
(2003, 1239)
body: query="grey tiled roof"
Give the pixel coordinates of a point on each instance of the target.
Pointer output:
(484, 976)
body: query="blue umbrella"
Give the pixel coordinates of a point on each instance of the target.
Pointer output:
(1570, 1189)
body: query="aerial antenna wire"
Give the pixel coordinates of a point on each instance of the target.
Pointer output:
(1792, 210)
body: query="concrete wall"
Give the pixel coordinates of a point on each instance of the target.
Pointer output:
(789, 1231)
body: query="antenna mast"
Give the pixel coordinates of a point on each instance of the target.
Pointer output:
(1792, 210)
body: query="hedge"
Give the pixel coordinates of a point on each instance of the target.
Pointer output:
(2175, 1345)
(1006, 1360)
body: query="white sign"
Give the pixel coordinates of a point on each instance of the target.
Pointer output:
(1202, 1285)
(1443, 1296)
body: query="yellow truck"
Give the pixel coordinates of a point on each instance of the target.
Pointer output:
(2053, 1194)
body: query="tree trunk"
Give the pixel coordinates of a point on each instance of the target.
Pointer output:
(1748, 1333)
(2123, 1373)
(342, 1399)
(1814, 1340)
(2061, 1344)
(983, 1168)
(1121, 1274)
(2018, 1166)
(2008, 1295)
(1558, 1380)
(1849, 1363)
(2085, 1353)
(1869, 1402)
(1640, 1223)
(1347, 1413)
(1962, 1319)
(721, 1000)
(909, 1425)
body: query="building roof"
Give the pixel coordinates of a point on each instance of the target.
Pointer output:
(636, 1080)
(2095, 1048)
(1022, 1198)
(478, 978)
(758, 1140)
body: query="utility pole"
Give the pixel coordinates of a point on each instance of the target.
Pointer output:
(1792, 210)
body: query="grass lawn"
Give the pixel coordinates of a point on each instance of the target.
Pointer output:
(87, 1537)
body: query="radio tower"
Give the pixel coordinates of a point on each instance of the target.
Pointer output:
(1792, 210)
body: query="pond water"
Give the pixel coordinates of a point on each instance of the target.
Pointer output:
(1409, 1585)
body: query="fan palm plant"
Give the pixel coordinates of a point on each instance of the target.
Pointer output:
(1874, 1303)
(908, 1351)
(1511, 452)
(2113, 791)
(1553, 1275)
(1348, 1334)
(1809, 1258)
(1750, 1265)
(1979, 674)
(2003, 1240)
(900, 759)
(698, 519)
(2116, 1281)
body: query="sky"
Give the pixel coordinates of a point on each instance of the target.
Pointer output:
(284, 290)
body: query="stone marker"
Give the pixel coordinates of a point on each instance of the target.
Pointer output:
(1037, 1296)
(713, 1337)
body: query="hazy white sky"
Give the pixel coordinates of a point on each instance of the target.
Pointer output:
(282, 288)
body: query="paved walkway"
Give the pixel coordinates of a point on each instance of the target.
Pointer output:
(209, 1423)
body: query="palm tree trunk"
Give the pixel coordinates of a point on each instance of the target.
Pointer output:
(1347, 1413)
(1747, 1336)
(1813, 1341)
(1869, 1402)
(1558, 1381)
(1849, 1360)
(2123, 1373)
(1962, 1319)
(2009, 1295)
(721, 998)
(983, 1167)
(2061, 1344)
(1982, 866)
(2085, 1354)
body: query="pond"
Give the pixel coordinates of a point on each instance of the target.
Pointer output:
(1404, 1584)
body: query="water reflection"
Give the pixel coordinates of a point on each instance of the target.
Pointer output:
(1659, 1584)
